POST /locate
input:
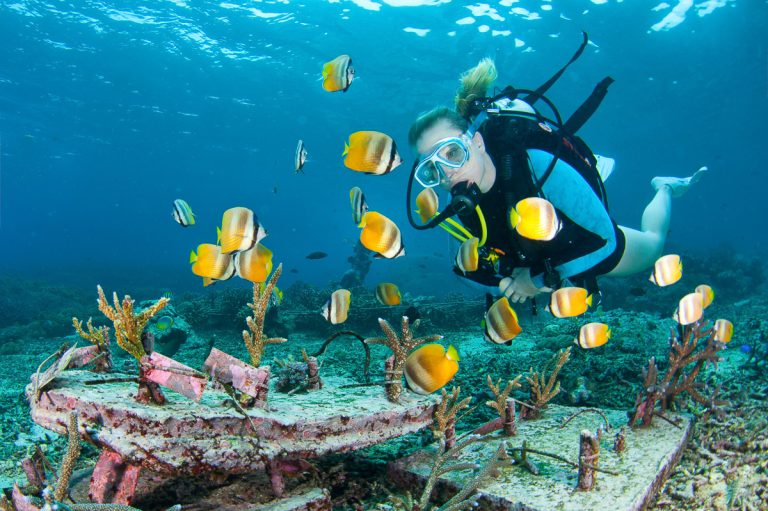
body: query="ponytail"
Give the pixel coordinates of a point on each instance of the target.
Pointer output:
(474, 85)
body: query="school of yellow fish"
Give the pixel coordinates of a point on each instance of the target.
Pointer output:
(239, 252)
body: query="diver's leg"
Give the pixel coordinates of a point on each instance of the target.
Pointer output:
(642, 248)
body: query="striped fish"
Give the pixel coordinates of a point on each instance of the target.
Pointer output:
(381, 235)
(427, 204)
(371, 152)
(300, 158)
(338, 74)
(359, 206)
(254, 264)
(690, 309)
(182, 213)
(501, 325)
(467, 258)
(388, 294)
(336, 308)
(210, 262)
(240, 230)
(593, 335)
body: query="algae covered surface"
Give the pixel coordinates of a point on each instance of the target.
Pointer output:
(723, 465)
(648, 455)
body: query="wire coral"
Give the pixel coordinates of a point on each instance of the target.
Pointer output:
(401, 346)
(255, 342)
(690, 348)
(543, 388)
(129, 325)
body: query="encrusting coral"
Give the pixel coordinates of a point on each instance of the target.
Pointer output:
(543, 389)
(685, 363)
(254, 340)
(401, 347)
(129, 325)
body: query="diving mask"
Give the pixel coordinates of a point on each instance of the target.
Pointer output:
(451, 152)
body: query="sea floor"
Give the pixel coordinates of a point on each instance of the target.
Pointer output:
(724, 467)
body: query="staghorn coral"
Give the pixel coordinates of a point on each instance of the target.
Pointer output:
(254, 340)
(444, 421)
(129, 326)
(445, 416)
(99, 337)
(543, 389)
(687, 357)
(401, 347)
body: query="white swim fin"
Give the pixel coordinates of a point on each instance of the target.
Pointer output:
(605, 166)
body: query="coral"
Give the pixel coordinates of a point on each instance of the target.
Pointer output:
(254, 340)
(543, 389)
(291, 375)
(500, 403)
(99, 337)
(445, 416)
(53, 496)
(444, 422)
(686, 359)
(70, 457)
(401, 347)
(129, 326)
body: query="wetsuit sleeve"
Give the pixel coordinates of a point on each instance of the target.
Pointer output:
(567, 190)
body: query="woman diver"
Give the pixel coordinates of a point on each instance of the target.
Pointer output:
(491, 153)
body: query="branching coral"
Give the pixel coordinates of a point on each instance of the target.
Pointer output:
(445, 416)
(99, 337)
(444, 422)
(503, 405)
(543, 389)
(401, 347)
(690, 348)
(254, 340)
(129, 325)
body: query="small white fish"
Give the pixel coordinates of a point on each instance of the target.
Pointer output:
(300, 158)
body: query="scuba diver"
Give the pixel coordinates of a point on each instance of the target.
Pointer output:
(490, 153)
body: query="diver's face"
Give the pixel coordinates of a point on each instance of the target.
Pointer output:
(471, 170)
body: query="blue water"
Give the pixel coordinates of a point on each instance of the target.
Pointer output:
(109, 112)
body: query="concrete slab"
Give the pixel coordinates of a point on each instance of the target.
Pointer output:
(186, 437)
(642, 468)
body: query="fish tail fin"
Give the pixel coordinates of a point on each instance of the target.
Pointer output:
(192, 257)
(218, 235)
(346, 149)
(514, 218)
(608, 334)
(452, 354)
(589, 301)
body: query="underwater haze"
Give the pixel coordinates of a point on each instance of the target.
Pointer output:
(109, 111)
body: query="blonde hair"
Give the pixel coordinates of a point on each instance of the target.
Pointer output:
(474, 84)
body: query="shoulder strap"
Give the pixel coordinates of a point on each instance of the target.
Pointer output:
(588, 107)
(544, 87)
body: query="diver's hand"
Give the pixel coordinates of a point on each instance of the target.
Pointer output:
(518, 287)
